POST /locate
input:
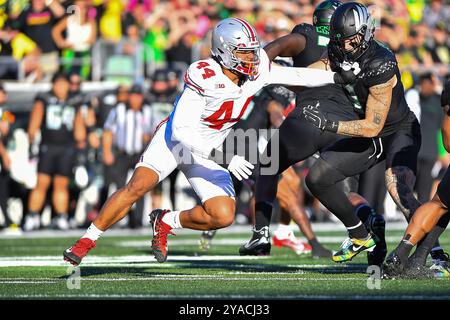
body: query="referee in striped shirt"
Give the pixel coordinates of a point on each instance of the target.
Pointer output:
(127, 130)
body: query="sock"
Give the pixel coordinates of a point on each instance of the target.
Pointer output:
(363, 212)
(172, 218)
(404, 249)
(314, 243)
(358, 231)
(283, 232)
(33, 213)
(263, 214)
(93, 233)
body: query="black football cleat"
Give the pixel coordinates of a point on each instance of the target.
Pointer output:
(258, 245)
(394, 267)
(377, 225)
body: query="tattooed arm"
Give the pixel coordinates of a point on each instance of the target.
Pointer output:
(377, 109)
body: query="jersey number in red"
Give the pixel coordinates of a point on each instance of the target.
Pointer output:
(225, 109)
(208, 72)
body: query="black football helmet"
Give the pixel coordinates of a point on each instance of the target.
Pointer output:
(349, 21)
(322, 15)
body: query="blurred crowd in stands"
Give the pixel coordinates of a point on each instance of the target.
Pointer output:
(144, 46)
(38, 37)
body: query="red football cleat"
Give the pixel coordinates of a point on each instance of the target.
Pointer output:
(298, 246)
(75, 254)
(160, 232)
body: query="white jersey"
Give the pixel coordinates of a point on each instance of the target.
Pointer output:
(203, 116)
(211, 103)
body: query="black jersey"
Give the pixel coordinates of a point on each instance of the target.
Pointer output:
(378, 65)
(59, 119)
(316, 45)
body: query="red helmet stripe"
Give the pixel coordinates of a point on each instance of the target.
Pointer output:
(249, 28)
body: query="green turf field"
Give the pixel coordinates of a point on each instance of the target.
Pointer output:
(122, 266)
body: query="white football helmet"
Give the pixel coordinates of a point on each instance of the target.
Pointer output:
(231, 36)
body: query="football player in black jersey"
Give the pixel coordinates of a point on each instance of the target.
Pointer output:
(431, 215)
(299, 140)
(387, 129)
(267, 110)
(56, 115)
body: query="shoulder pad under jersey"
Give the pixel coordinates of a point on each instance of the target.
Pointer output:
(201, 75)
(305, 29)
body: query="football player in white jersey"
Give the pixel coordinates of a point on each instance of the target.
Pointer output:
(217, 92)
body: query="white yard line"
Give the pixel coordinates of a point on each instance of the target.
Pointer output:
(318, 227)
(224, 296)
(27, 261)
(164, 278)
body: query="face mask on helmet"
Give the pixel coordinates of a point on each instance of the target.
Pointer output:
(246, 60)
(350, 48)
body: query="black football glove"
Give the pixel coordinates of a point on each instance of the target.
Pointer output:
(313, 115)
(347, 73)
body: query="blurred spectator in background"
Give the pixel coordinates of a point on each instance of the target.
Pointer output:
(102, 106)
(436, 12)
(37, 22)
(109, 19)
(430, 124)
(6, 119)
(439, 47)
(181, 37)
(18, 54)
(157, 37)
(56, 115)
(81, 32)
(127, 131)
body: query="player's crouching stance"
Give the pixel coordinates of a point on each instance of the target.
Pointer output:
(217, 92)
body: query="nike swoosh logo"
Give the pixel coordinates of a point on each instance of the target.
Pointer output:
(357, 248)
(249, 244)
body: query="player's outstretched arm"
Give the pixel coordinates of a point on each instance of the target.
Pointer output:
(309, 77)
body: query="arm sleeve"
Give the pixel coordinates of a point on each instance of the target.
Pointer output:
(305, 77)
(186, 118)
